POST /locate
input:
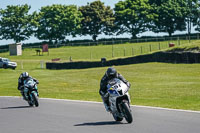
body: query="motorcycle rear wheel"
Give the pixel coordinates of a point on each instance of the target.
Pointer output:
(30, 103)
(127, 112)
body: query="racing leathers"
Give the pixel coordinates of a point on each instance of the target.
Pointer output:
(103, 88)
(21, 84)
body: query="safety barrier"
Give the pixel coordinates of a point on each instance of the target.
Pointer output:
(168, 57)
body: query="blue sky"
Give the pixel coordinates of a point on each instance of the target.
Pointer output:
(37, 4)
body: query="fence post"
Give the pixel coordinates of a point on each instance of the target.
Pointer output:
(150, 47)
(90, 55)
(42, 64)
(189, 38)
(112, 51)
(178, 41)
(22, 65)
(159, 46)
(132, 52)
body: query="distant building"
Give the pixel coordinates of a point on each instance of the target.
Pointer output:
(15, 49)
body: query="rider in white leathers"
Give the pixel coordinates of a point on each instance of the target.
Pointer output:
(110, 74)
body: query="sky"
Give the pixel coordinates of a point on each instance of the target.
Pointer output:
(37, 4)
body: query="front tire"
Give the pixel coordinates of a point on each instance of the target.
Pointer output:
(35, 98)
(127, 112)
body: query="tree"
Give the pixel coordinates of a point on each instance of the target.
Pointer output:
(172, 16)
(133, 16)
(156, 2)
(197, 23)
(15, 23)
(98, 19)
(192, 14)
(55, 22)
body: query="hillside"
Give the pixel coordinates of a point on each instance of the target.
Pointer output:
(194, 47)
(29, 59)
(167, 85)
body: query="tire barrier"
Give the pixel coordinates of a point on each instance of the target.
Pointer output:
(165, 57)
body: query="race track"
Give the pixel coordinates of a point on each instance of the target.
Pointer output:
(63, 116)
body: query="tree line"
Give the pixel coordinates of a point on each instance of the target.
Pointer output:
(55, 22)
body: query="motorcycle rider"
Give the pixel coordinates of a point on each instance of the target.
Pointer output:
(24, 76)
(110, 74)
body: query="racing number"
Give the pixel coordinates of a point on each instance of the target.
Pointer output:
(116, 86)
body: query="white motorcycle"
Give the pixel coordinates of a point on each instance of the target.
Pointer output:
(119, 100)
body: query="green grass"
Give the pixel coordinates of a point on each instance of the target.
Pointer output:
(30, 60)
(153, 84)
(192, 47)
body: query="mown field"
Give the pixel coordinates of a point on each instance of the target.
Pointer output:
(153, 84)
(29, 59)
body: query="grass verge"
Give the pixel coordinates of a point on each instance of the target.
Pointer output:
(153, 84)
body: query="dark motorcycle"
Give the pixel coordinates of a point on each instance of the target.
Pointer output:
(31, 92)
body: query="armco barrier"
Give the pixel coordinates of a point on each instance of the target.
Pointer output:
(184, 57)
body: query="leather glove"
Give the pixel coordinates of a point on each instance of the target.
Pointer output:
(20, 88)
(106, 95)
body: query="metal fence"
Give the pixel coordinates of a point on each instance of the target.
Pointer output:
(160, 41)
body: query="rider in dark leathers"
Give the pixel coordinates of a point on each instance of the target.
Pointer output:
(110, 74)
(23, 76)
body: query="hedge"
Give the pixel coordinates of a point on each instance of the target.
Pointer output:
(168, 57)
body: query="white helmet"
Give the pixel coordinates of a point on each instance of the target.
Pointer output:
(25, 75)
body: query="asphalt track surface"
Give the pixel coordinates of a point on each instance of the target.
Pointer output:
(63, 116)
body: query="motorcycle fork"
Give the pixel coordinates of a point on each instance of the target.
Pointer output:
(120, 105)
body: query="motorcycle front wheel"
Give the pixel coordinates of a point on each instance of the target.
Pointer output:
(127, 112)
(35, 98)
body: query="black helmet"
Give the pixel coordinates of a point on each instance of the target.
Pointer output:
(25, 75)
(111, 72)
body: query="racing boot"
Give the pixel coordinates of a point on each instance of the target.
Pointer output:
(106, 104)
(107, 107)
(24, 98)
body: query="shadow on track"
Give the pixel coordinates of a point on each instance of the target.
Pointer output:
(99, 123)
(17, 107)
